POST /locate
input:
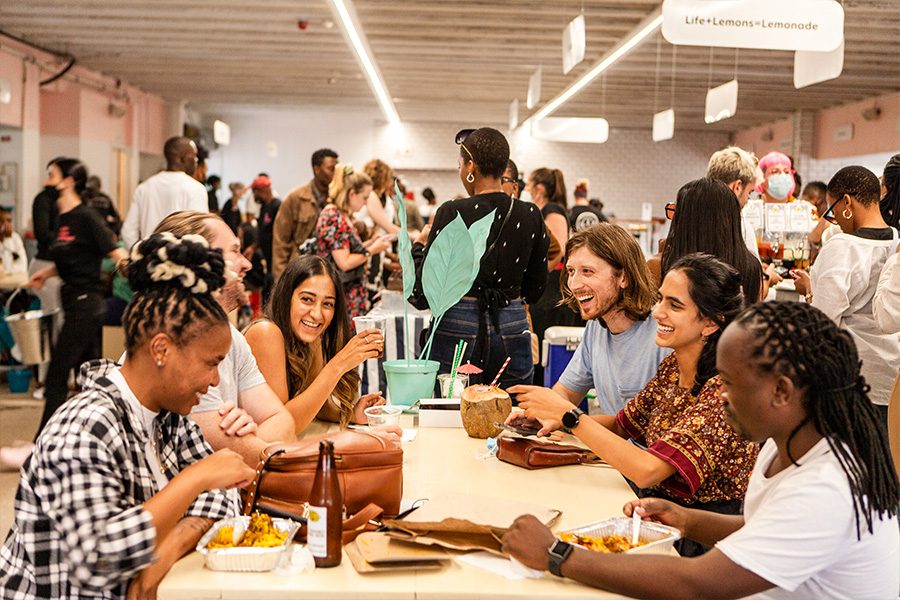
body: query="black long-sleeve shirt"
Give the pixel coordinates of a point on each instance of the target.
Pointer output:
(45, 219)
(517, 265)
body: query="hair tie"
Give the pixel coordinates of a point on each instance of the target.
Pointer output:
(859, 384)
(348, 169)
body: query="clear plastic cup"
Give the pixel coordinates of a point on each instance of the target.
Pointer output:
(385, 414)
(459, 384)
(371, 322)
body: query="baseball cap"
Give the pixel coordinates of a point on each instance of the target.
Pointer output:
(261, 182)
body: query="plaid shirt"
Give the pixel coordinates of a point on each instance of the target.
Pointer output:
(80, 529)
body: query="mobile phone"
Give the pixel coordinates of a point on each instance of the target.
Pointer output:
(523, 431)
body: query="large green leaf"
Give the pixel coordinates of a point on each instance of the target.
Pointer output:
(404, 247)
(447, 271)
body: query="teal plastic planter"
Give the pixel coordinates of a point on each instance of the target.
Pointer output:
(412, 381)
(19, 380)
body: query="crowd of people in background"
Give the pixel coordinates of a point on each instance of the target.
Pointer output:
(677, 346)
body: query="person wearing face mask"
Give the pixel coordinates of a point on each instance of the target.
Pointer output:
(778, 185)
(82, 241)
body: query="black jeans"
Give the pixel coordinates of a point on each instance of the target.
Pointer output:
(79, 340)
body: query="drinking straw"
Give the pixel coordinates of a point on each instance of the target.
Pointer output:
(457, 358)
(503, 368)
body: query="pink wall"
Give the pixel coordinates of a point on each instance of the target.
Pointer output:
(753, 138)
(869, 137)
(60, 106)
(11, 114)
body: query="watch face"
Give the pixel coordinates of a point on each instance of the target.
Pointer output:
(570, 419)
(558, 548)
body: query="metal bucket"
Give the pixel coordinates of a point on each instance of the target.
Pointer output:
(33, 332)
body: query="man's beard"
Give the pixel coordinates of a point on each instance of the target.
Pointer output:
(232, 295)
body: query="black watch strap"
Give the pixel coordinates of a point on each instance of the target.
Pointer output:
(558, 552)
(571, 418)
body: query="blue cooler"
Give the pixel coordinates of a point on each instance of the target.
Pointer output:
(557, 349)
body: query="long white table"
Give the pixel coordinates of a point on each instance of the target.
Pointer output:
(437, 461)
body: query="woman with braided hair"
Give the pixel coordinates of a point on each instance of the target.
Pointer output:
(121, 483)
(820, 516)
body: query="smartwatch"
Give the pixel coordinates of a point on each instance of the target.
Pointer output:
(558, 552)
(571, 418)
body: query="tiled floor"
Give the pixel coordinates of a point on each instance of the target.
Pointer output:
(19, 418)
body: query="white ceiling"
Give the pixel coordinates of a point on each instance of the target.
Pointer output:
(462, 60)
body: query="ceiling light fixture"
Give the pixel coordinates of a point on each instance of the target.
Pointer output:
(342, 9)
(650, 24)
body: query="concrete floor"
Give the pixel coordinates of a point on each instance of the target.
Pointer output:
(19, 418)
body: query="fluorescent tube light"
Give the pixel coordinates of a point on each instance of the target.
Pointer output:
(361, 47)
(642, 31)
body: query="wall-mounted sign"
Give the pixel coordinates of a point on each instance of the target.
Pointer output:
(534, 88)
(513, 114)
(721, 102)
(221, 133)
(815, 67)
(587, 130)
(811, 25)
(842, 133)
(663, 125)
(573, 43)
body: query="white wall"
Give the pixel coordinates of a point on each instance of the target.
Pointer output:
(824, 169)
(624, 172)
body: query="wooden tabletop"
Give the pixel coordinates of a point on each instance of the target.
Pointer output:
(437, 461)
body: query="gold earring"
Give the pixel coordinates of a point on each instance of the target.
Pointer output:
(847, 214)
(470, 178)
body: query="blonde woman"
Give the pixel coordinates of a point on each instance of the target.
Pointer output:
(337, 240)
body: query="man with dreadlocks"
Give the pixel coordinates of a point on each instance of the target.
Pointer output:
(121, 483)
(820, 514)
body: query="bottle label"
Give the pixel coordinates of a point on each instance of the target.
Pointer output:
(317, 531)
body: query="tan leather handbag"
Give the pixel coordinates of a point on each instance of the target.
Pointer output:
(530, 454)
(369, 465)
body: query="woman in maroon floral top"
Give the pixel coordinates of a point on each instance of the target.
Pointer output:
(684, 449)
(337, 240)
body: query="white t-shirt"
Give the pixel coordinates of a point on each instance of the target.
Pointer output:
(146, 415)
(238, 373)
(749, 235)
(157, 198)
(886, 303)
(800, 534)
(843, 280)
(12, 253)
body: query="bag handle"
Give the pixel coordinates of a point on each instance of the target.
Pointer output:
(250, 502)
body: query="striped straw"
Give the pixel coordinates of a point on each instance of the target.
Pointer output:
(503, 368)
(457, 358)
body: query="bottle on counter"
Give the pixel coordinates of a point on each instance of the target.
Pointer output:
(325, 510)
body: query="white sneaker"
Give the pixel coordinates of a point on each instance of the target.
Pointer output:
(13, 457)
(38, 394)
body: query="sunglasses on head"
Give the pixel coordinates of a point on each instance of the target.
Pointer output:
(461, 137)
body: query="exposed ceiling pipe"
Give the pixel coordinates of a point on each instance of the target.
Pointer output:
(62, 72)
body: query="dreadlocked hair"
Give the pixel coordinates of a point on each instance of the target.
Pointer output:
(715, 288)
(801, 342)
(173, 278)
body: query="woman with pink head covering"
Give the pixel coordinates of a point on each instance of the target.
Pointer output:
(779, 184)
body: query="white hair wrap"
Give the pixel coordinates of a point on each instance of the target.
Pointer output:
(167, 270)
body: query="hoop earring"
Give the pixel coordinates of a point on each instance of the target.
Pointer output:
(847, 214)
(470, 178)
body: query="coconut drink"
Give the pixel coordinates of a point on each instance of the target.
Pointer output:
(481, 406)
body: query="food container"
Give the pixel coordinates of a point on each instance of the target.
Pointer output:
(657, 538)
(248, 559)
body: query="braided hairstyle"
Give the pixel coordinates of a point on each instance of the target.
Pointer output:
(715, 288)
(173, 278)
(801, 342)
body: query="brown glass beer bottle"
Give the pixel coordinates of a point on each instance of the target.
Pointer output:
(325, 510)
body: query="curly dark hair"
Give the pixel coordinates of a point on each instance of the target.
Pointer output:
(173, 278)
(489, 149)
(855, 181)
(801, 342)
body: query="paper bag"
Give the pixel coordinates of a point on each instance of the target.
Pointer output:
(466, 522)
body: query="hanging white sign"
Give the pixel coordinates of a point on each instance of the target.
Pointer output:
(534, 88)
(663, 125)
(721, 102)
(573, 43)
(513, 114)
(816, 67)
(221, 133)
(811, 25)
(587, 130)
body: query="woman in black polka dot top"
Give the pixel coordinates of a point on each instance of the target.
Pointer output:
(491, 316)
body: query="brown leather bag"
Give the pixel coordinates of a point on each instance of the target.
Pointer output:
(530, 454)
(369, 465)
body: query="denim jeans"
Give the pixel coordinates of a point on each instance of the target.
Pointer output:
(513, 340)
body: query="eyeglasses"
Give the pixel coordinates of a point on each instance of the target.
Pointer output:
(506, 179)
(828, 215)
(461, 137)
(670, 210)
